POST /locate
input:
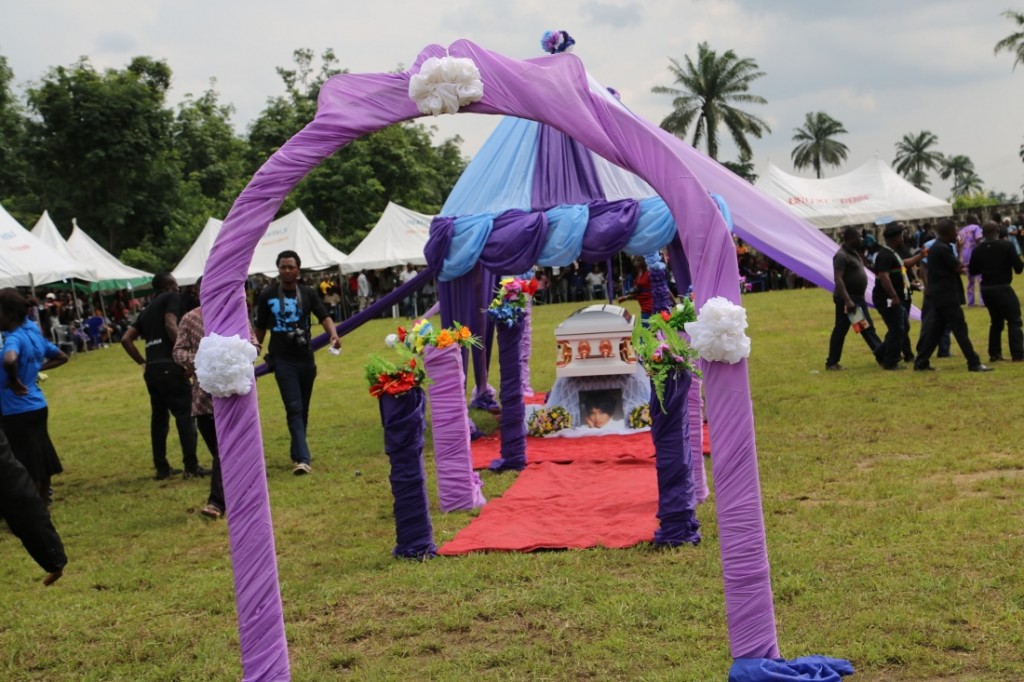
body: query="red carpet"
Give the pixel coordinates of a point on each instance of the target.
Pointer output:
(565, 450)
(558, 506)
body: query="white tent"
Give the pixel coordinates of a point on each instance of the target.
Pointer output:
(110, 273)
(397, 238)
(291, 232)
(872, 193)
(47, 232)
(26, 261)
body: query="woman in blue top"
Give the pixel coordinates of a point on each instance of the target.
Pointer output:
(25, 353)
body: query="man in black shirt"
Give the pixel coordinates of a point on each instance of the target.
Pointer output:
(169, 389)
(996, 260)
(943, 298)
(851, 283)
(284, 308)
(889, 295)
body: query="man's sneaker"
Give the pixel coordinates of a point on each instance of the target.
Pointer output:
(979, 368)
(198, 472)
(164, 474)
(301, 469)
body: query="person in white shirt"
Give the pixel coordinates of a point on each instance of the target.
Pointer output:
(363, 290)
(595, 283)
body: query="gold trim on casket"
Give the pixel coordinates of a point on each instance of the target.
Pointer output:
(594, 341)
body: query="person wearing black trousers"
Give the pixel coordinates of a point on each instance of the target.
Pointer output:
(27, 515)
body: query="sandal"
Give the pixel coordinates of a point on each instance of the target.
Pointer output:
(211, 511)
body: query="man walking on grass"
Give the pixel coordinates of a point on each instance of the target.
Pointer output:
(944, 296)
(169, 390)
(284, 308)
(851, 283)
(995, 260)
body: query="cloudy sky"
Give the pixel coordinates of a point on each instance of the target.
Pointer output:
(881, 67)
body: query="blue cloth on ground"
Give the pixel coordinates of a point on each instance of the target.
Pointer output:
(815, 668)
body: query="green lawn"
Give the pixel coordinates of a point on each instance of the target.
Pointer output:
(893, 504)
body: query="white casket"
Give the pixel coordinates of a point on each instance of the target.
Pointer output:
(594, 341)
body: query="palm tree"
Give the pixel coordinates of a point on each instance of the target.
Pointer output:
(1015, 41)
(708, 91)
(914, 156)
(961, 168)
(816, 145)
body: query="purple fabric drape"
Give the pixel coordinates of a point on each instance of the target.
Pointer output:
(564, 173)
(809, 668)
(695, 416)
(525, 348)
(513, 410)
(609, 229)
(670, 433)
(680, 268)
(458, 486)
(553, 90)
(461, 301)
(402, 419)
(515, 243)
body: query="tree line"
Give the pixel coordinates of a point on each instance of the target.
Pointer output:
(708, 94)
(142, 177)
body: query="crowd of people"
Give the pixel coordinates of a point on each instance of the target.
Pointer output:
(934, 259)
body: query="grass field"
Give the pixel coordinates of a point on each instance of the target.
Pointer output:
(893, 504)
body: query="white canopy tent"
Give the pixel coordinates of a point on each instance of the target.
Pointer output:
(397, 238)
(110, 273)
(293, 231)
(47, 232)
(872, 193)
(26, 261)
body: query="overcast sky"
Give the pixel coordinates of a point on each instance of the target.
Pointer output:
(882, 68)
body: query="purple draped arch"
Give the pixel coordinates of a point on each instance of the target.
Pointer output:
(553, 90)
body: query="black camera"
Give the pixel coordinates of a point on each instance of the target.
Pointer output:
(297, 338)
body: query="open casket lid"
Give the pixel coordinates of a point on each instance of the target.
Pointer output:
(597, 319)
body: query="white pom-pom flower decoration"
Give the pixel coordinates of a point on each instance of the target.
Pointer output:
(224, 365)
(718, 332)
(443, 85)
(390, 340)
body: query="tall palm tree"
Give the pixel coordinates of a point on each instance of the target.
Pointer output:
(816, 145)
(969, 183)
(1014, 42)
(708, 90)
(960, 167)
(914, 157)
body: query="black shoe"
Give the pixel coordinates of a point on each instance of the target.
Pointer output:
(834, 368)
(979, 368)
(923, 368)
(164, 474)
(908, 358)
(995, 358)
(197, 472)
(893, 368)
(943, 355)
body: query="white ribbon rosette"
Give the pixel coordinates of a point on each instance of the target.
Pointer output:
(443, 85)
(224, 365)
(718, 332)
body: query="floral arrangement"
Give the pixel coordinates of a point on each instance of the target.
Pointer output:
(510, 299)
(546, 421)
(423, 334)
(661, 348)
(445, 84)
(387, 378)
(639, 417)
(718, 334)
(556, 41)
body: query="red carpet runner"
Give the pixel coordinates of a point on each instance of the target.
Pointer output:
(574, 493)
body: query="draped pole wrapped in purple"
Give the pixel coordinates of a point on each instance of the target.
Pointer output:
(513, 409)
(678, 523)
(458, 486)
(402, 418)
(695, 417)
(553, 90)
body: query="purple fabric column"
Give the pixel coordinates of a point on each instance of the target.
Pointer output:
(458, 486)
(670, 433)
(525, 348)
(513, 411)
(565, 172)
(695, 415)
(402, 419)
